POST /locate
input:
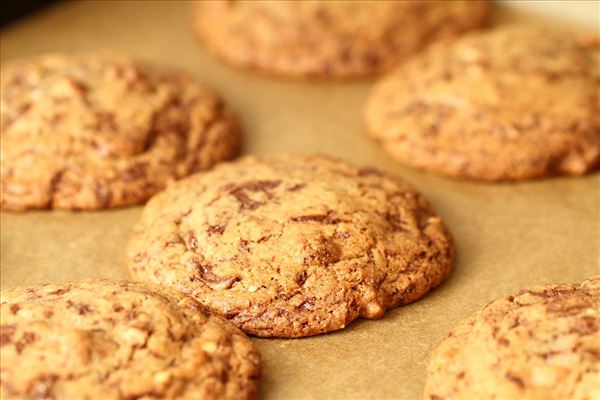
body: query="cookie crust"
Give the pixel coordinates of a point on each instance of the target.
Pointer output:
(541, 343)
(119, 340)
(513, 103)
(100, 130)
(329, 38)
(292, 246)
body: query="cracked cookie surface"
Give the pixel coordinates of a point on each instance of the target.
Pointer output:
(100, 130)
(330, 38)
(292, 245)
(119, 340)
(541, 343)
(512, 103)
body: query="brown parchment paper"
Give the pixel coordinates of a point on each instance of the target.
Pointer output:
(508, 235)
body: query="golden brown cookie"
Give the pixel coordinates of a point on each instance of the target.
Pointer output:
(100, 130)
(330, 38)
(513, 103)
(541, 343)
(292, 245)
(119, 340)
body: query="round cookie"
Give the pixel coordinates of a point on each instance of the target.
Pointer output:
(292, 246)
(100, 130)
(119, 340)
(513, 103)
(329, 38)
(541, 343)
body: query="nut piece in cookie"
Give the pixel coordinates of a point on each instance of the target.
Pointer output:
(326, 38)
(292, 245)
(100, 130)
(540, 343)
(513, 103)
(119, 340)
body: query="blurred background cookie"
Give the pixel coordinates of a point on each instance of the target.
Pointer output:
(329, 38)
(541, 343)
(100, 130)
(512, 103)
(292, 245)
(103, 339)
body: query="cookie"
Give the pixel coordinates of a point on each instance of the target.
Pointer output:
(292, 246)
(100, 130)
(119, 340)
(541, 343)
(513, 103)
(329, 38)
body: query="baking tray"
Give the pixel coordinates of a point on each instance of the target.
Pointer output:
(508, 235)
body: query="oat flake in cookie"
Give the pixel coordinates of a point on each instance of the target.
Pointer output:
(327, 38)
(513, 103)
(541, 343)
(292, 245)
(100, 130)
(119, 340)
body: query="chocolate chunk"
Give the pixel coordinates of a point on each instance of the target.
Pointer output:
(308, 304)
(410, 288)
(323, 252)
(55, 181)
(327, 218)
(297, 187)
(132, 314)
(118, 308)
(246, 202)
(26, 339)
(59, 292)
(516, 379)
(216, 229)
(135, 172)
(395, 221)
(191, 241)
(105, 121)
(83, 309)
(301, 278)
(6, 333)
(206, 274)
(370, 171)
(585, 326)
(42, 387)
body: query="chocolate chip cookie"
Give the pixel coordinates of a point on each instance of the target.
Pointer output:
(292, 245)
(329, 38)
(513, 103)
(541, 343)
(119, 340)
(100, 130)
